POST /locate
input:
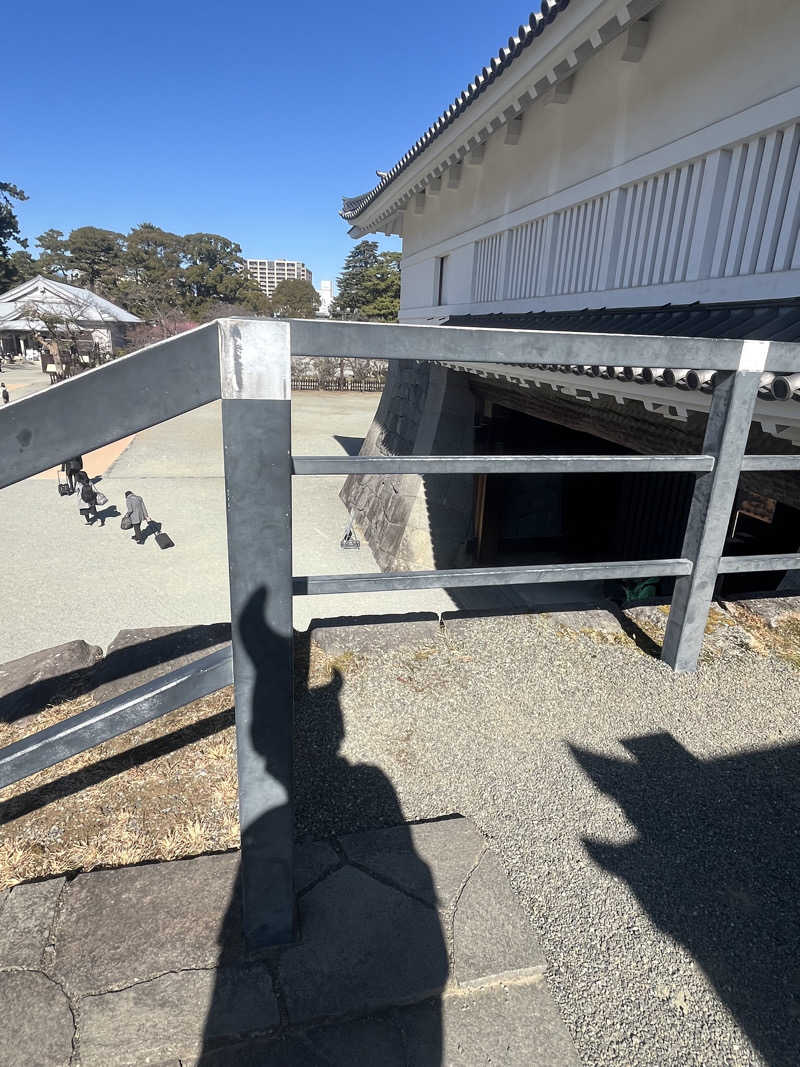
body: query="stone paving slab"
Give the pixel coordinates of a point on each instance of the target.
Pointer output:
(37, 1026)
(312, 861)
(448, 851)
(175, 1014)
(26, 922)
(352, 635)
(508, 1025)
(146, 964)
(493, 938)
(135, 923)
(363, 946)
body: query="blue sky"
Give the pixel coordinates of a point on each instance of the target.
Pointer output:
(245, 119)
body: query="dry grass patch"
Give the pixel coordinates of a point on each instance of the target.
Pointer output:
(163, 791)
(167, 790)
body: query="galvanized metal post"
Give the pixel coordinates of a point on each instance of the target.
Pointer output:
(256, 426)
(727, 428)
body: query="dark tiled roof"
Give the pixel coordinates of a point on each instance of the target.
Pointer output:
(526, 35)
(761, 320)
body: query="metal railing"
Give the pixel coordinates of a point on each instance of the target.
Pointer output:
(338, 385)
(247, 363)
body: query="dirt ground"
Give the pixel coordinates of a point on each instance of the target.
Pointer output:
(169, 789)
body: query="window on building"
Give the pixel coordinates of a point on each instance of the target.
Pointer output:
(441, 274)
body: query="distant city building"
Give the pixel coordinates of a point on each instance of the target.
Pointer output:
(325, 298)
(269, 273)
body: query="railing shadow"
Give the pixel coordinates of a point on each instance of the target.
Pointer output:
(716, 866)
(346, 944)
(66, 785)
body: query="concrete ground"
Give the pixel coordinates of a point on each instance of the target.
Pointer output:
(413, 953)
(66, 580)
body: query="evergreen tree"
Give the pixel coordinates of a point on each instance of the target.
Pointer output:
(369, 285)
(295, 298)
(9, 231)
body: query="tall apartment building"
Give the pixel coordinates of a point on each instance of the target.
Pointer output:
(268, 273)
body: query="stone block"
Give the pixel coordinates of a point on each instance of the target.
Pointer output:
(601, 619)
(429, 860)
(311, 861)
(37, 1026)
(492, 936)
(415, 631)
(176, 1015)
(29, 684)
(278, 1052)
(514, 1025)
(364, 1041)
(138, 656)
(27, 920)
(164, 917)
(364, 946)
(772, 610)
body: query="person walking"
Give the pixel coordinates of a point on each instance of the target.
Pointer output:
(5, 394)
(87, 499)
(137, 514)
(71, 467)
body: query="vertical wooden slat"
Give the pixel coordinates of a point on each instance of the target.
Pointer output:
(654, 230)
(744, 204)
(643, 232)
(690, 219)
(667, 226)
(761, 198)
(625, 235)
(776, 210)
(729, 201)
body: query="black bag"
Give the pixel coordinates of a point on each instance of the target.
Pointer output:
(126, 522)
(88, 495)
(63, 487)
(164, 541)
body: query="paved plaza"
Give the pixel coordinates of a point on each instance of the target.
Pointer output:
(68, 581)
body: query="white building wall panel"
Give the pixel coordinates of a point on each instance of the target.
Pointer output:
(713, 208)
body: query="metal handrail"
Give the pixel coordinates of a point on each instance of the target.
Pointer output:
(246, 363)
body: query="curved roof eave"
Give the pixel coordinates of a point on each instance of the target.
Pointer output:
(352, 206)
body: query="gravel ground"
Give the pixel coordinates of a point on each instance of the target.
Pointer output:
(649, 821)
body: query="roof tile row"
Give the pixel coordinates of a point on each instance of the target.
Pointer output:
(526, 35)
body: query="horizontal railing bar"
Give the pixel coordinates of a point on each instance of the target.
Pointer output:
(109, 403)
(116, 716)
(307, 465)
(472, 344)
(771, 463)
(739, 564)
(314, 585)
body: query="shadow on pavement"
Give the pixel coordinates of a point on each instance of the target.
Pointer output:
(351, 445)
(716, 865)
(353, 950)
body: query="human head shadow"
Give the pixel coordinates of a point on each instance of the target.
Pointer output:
(716, 865)
(346, 944)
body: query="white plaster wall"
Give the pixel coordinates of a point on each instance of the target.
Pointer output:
(703, 63)
(458, 273)
(418, 283)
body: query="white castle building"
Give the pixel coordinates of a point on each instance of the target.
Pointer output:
(617, 167)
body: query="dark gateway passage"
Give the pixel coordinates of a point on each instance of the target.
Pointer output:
(522, 518)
